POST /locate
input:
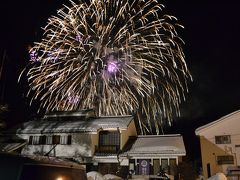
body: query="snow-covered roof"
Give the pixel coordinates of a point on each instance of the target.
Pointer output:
(56, 125)
(10, 143)
(157, 145)
(80, 113)
(11, 146)
(229, 116)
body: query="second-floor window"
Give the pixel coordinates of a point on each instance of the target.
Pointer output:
(109, 141)
(42, 139)
(54, 139)
(66, 140)
(225, 139)
(49, 140)
(226, 159)
(33, 140)
(109, 138)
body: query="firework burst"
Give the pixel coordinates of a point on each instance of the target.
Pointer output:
(116, 56)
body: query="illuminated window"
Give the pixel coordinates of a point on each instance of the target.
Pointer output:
(225, 139)
(228, 159)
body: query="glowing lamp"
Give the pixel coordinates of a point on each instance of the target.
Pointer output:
(59, 178)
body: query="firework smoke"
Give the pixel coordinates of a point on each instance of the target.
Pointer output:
(117, 56)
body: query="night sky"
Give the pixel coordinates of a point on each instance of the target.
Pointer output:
(212, 51)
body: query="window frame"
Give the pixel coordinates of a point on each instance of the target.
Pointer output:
(42, 140)
(223, 139)
(50, 140)
(109, 138)
(56, 139)
(225, 159)
(66, 140)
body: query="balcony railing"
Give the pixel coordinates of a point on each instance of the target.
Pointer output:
(108, 149)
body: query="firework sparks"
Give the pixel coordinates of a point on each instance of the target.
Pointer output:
(33, 55)
(118, 57)
(112, 67)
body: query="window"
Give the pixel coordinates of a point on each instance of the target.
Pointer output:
(164, 165)
(156, 166)
(69, 140)
(109, 141)
(30, 140)
(55, 139)
(131, 166)
(225, 139)
(66, 139)
(49, 140)
(109, 138)
(228, 159)
(35, 140)
(42, 139)
(172, 166)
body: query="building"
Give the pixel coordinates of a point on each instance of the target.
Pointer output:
(107, 144)
(151, 153)
(220, 146)
(86, 139)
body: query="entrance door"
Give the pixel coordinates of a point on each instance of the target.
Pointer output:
(144, 166)
(107, 168)
(208, 170)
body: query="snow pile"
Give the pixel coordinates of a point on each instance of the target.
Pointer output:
(218, 176)
(111, 177)
(93, 175)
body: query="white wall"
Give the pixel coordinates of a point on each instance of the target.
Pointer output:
(228, 126)
(80, 146)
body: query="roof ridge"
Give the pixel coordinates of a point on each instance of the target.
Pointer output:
(163, 135)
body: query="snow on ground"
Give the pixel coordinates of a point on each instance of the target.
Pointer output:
(93, 175)
(111, 177)
(218, 176)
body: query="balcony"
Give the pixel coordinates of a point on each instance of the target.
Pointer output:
(106, 149)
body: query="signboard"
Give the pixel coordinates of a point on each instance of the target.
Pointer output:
(144, 166)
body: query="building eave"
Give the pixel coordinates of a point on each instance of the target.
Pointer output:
(145, 154)
(199, 130)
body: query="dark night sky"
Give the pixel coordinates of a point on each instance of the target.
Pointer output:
(212, 50)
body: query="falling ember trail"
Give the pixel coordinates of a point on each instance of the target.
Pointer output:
(118, 57)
